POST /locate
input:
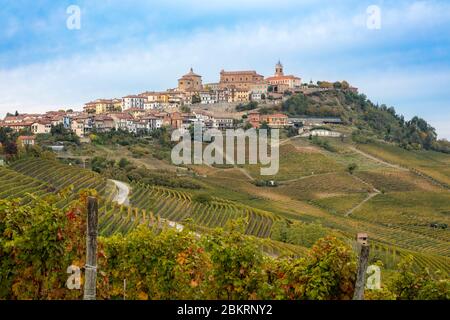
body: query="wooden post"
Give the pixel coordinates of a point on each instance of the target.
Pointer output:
(361, 275)
(90, 283)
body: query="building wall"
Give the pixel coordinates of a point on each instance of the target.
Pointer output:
(242, 80)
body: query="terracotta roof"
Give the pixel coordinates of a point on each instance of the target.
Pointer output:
(27, 138)
(190, 74)
(134, 109)
(249, 72)
(282, 78)
(18, 124)
(132, 96)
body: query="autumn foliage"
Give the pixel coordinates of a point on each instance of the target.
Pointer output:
(38, 241)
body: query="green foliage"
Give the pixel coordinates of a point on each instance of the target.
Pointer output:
(298, 233)
(195, 99)
(292, 132)
(246, 107)
(328, 273)
(323, 144)
(60, 133)
(185, 109)
(202, 198)
(156, 265)
(352, 167)
(37, 243)
(8, 142)
(371, 120)
(126, 171)
(410, 285)
(99, 164)
(237, 264)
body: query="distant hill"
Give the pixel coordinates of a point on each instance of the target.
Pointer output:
(371, 121)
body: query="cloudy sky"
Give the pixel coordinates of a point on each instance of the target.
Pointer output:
(126, 47)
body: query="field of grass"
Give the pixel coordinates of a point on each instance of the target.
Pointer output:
(296, 163)
(393, 180)
(433, 164)
(340, 205)
(322, 186)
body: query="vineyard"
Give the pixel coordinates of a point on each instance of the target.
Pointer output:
(392, 233)
(149, 204)
(178, 206)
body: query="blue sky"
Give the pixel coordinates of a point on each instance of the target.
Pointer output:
(126, 47)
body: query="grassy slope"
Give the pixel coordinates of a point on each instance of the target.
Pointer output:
(316, 187)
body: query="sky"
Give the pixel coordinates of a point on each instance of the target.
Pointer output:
(400, 57)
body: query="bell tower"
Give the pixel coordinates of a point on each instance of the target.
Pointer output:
(279, 69)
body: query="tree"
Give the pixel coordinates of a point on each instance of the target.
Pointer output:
(196, 98)
(185, 109)
(337, 85)
(123, 163)
(202, 198)
(352, 167)
(345, 85)
(264, 125)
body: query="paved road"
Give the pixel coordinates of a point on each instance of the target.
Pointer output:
(123, 192)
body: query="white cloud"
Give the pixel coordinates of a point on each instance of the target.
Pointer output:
(318, 46)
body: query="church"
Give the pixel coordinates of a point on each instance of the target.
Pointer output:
(282, 80)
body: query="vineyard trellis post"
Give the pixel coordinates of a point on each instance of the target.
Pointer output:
(91, 250)
(362, 243)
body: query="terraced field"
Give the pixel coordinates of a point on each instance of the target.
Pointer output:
(178, 206)
(297, 163)
(60, 176)
(392, 180)
(433, 164)
(321, 186)
(398, 222)
(14, 185)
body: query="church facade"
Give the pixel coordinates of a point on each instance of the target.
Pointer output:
(282, 80)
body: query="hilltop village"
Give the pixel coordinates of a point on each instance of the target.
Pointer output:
(229, 103)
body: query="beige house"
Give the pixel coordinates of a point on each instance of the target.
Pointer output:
(25, 141)
(236, 95)
(41, 127)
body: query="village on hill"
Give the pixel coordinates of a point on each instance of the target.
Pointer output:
(230, 103)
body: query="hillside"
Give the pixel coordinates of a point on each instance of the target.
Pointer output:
(393, 201)
(395, 190)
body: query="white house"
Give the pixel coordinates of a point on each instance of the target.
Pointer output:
(132, 102)
(207, 97)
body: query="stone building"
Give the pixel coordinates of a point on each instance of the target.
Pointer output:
(282, 80)
(241, 80)
(190, 81)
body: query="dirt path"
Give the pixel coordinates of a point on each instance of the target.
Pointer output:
(378, 159)
(374, 193)
(306, 177)
(370, 196)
